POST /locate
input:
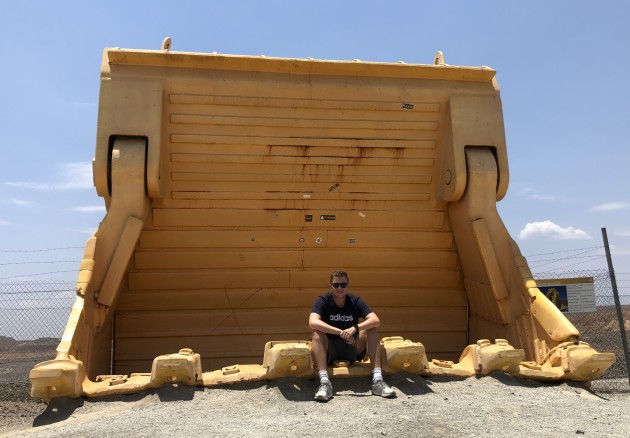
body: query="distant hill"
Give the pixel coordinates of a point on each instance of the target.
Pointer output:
(6, 342)
(41, 344)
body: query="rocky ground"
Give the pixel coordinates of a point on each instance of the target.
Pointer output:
(494, 406)
(17, 408)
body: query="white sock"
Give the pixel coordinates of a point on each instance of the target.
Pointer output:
(377, 375)
(323, 377)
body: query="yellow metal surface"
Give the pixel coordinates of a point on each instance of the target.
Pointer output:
(234, 185)
(400, 354)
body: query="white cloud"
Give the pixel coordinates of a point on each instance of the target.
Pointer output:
(4, 223)
(71, 176)
(548, 229)
(90, 209)
(18, 202)
(611, 206)
(543, 197)
(534, 193)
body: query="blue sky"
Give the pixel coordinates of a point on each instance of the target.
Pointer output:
(562, 67)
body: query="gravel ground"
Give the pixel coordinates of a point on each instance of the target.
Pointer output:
(492, 406)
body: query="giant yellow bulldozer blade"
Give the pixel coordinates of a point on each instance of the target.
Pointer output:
(234, 185)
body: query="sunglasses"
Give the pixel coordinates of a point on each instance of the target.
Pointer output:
(338, 285)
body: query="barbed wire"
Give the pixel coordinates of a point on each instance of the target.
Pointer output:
(588, 259)
(566, 250)
(578, 253)
(35, 263)
(564, 258)
(38, 308)
(583, 251)
(33, 275)
(23, 283)
(38, 250)
(569, 265)
(37, 292)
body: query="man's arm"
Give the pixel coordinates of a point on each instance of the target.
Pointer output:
(315, 323)
(370, 321)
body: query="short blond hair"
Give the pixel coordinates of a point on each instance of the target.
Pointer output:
(337, 274)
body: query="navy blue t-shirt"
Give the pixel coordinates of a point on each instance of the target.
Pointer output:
(341, 317)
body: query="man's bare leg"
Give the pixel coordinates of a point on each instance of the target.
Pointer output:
(319, 350)
(379, 387)
(374, 348)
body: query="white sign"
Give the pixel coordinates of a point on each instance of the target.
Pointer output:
(570, 295)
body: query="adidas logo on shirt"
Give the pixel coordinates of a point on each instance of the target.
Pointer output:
(339, 317)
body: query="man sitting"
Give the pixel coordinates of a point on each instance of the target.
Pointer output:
(338, 335)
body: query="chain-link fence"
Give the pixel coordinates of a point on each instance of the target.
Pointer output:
(33, 316)
(601, 328)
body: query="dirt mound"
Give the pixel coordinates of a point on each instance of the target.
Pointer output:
(6, 342)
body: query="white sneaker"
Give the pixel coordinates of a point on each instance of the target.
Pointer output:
(383, 389)
(325, 392)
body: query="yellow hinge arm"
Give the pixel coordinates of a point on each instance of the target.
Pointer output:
(117, 268)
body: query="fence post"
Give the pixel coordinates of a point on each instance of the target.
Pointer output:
(613, 282)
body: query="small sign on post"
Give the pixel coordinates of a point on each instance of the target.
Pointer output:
(570, 295)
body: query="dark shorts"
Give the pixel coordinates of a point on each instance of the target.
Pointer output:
(338, 349)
